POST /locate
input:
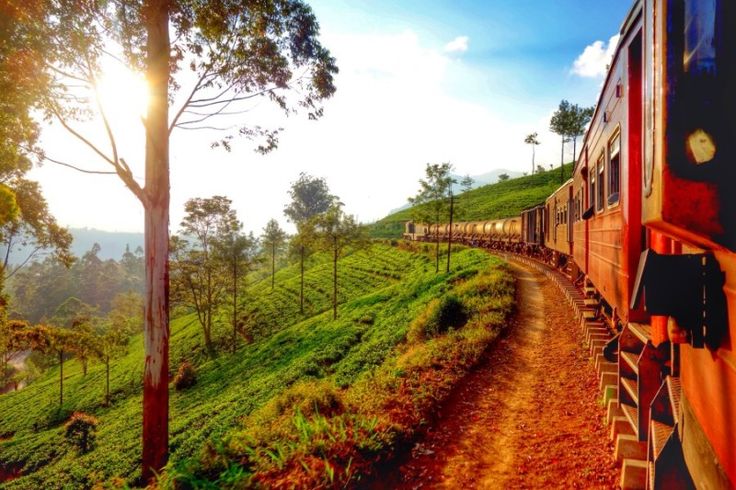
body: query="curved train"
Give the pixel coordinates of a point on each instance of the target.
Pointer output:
(646, 230)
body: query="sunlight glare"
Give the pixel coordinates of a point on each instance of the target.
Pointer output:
(124, 93)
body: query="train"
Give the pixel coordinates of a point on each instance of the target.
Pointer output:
(645, 232)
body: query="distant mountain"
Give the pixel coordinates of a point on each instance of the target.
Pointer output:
(478, 181)
(112, 244)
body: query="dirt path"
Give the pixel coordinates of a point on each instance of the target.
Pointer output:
(528, 416)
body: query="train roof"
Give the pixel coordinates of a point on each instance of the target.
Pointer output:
(533, 206)
(567, 183)
(629, 21)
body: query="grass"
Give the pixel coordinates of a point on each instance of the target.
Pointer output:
(493, 201)
(334, 366)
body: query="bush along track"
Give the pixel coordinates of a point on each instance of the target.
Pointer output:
(336, 430)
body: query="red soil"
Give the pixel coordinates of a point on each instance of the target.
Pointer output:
(527, 417)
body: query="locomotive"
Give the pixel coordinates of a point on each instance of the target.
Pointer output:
(645, 231)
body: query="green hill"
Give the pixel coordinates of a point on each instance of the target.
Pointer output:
(363, 355)
(493, 201)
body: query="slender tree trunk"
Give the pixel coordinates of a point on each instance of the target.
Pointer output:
(235, 303)
(437, 244)
(449, 236)
(574, 148)
(273, 264)
(107, 381)
(155, 436)
(334, 280)
(61, 378)
(301, 287)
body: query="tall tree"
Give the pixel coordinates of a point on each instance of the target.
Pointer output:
(273, 240)
(232, 52)
(336, 231)
(580, 118)
(532, 139)
(430, 202)
(562, 123)
(310, 197)
(234, 252)
(197, 270)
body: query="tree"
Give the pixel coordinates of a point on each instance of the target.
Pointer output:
(429, 203)
(310, 197)
(561, 124)
(57, 341)
(111, 337)
(233, 52)
(336, 231)
(503, 177)
(196, 273)
(532, 139)
(273, 239)
(31, 228)
(580, 118)
(467, 183)
(234, 252)
(569, 121)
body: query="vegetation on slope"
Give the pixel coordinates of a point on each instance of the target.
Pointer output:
(493, 201)
(361, 358)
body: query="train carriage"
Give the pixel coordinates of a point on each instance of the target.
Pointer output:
(649, 220)
(557, 236)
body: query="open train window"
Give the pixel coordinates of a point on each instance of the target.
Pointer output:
(600, 198)
(614, 169)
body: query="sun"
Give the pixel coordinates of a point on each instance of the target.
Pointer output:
(123, 93)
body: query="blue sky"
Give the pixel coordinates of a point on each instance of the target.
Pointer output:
(420, 82)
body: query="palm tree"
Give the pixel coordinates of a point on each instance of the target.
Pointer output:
(531, 139)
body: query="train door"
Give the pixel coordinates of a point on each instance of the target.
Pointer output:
(630, 172)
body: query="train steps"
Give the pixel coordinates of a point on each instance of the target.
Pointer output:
(665, 461)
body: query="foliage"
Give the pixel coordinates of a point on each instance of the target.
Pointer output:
(310, 197)
(273, 240)
(40, 288)
(503, 177)
(316, 435)
(200, 265)
(429, 205)
(532, 139)
(499, 200)
(381, 290)
(186, 376)
(335, 231)
(228, 53)
(441, 315)
(80, 431)
(570, 121)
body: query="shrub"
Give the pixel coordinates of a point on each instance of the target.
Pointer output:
(439, 316)
(185, 377)
(80, 431)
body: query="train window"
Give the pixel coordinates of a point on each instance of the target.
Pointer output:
(614, 169)
(601, 196)
(591, 191)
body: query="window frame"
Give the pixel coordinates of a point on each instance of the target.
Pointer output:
(614, 198)
(600, 197)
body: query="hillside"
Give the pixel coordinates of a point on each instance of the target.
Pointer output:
(499, 200)
(382, 292)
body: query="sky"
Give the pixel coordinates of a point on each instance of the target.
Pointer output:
(420, 82)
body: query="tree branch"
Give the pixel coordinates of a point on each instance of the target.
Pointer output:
(188, 101)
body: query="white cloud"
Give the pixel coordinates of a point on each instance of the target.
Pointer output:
(594, 60)
(457, 45)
